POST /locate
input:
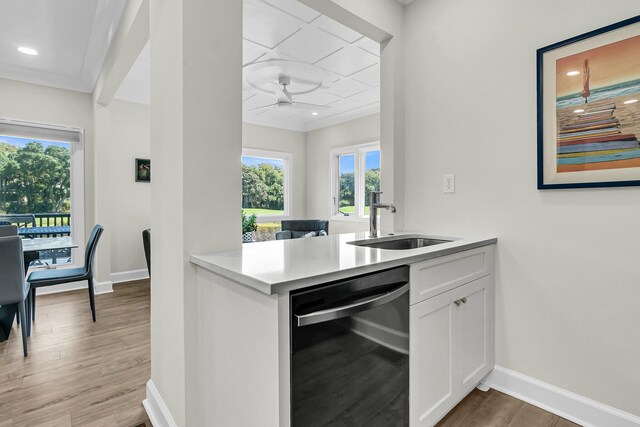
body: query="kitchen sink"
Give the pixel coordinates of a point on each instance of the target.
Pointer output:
(399, 243)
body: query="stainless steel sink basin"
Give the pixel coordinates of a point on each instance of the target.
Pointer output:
(399, 243)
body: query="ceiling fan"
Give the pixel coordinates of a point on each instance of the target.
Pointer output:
(285, 98)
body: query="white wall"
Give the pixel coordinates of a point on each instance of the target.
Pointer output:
(567, 260)
(286, 141)
(41, 104)
(131, 200)
(320, 142)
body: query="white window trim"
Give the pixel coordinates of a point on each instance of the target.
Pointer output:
(359, 151)
(77, 183)
(287, 159)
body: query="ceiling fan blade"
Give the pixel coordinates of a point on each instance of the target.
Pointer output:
(305, 106)
(263, 107)
(280, 92)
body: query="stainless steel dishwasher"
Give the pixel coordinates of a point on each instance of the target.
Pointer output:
(350, 352)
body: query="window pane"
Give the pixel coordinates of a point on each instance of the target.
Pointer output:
(35, 190)
(347, 184)
(371, 176)
(262, 186)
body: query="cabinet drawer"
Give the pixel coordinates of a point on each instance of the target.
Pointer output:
(435, 276)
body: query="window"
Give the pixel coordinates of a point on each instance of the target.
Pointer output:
(42, 184)
(355, 174)
(265, 189)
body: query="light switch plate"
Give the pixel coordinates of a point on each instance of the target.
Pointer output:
(449, 183)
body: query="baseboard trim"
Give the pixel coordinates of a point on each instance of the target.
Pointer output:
(129, 276)
(156, 409)
(572, 406)
(99, 288)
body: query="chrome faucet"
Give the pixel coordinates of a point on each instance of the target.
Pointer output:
(374, 205)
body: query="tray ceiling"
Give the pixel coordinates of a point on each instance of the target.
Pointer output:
(72, 38)
(287, 29)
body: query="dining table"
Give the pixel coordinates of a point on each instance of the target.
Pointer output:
(31, 249)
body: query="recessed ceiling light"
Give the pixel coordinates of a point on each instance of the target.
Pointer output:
(573, 73)
(579, 111)
(28, 51)
(315, 113)
(631, 101)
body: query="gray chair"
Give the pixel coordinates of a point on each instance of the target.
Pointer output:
(8, 230)
(42, 278)
(146, 243)
(13, 289)
(296, 228)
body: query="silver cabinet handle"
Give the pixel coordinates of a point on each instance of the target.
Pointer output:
(457, 303)
(349, 309)
(464, 300)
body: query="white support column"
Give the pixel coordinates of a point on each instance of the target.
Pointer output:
(196, 144)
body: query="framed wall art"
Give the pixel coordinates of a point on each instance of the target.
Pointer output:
(589, 109)
(143, 170)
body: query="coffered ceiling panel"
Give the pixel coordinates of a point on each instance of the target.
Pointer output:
(295, 9)
(347, 87)
(317, 97)
(349, 61)
(370, 76)
(251, 51)
(266, 25)
(337, 29)
(369, 96)
(369, 45)
(299, 46)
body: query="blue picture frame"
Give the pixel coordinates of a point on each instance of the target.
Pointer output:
(564, 151)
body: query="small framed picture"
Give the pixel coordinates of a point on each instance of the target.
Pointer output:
(589, 109)
(143, 170)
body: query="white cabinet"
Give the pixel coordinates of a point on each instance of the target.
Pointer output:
(451, 344)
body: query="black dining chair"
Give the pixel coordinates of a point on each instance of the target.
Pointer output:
(41, 278)
(146, 243)
(13, 289)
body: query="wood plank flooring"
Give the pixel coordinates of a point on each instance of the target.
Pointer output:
(80, 373)
(495, 409)
(86, 374)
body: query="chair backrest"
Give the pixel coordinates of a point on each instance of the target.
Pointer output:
(90, 252)
(21, 220)
(146, 242)
(12, 285)
(8, 230)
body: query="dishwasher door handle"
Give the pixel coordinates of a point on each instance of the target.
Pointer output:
(349, 309)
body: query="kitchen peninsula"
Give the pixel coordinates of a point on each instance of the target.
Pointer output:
(246, 329)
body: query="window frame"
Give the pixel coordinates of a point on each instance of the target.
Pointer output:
(77, 178)
(359, 165)
(287, 159)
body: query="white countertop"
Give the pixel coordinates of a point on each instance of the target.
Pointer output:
(283, 265)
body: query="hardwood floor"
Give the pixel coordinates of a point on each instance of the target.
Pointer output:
(495, 409)
(80, 373)
(86, 374)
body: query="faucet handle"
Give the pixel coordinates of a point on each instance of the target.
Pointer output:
(374, 197)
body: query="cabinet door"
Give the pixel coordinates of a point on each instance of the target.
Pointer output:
(475, 332)
(431, 359)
